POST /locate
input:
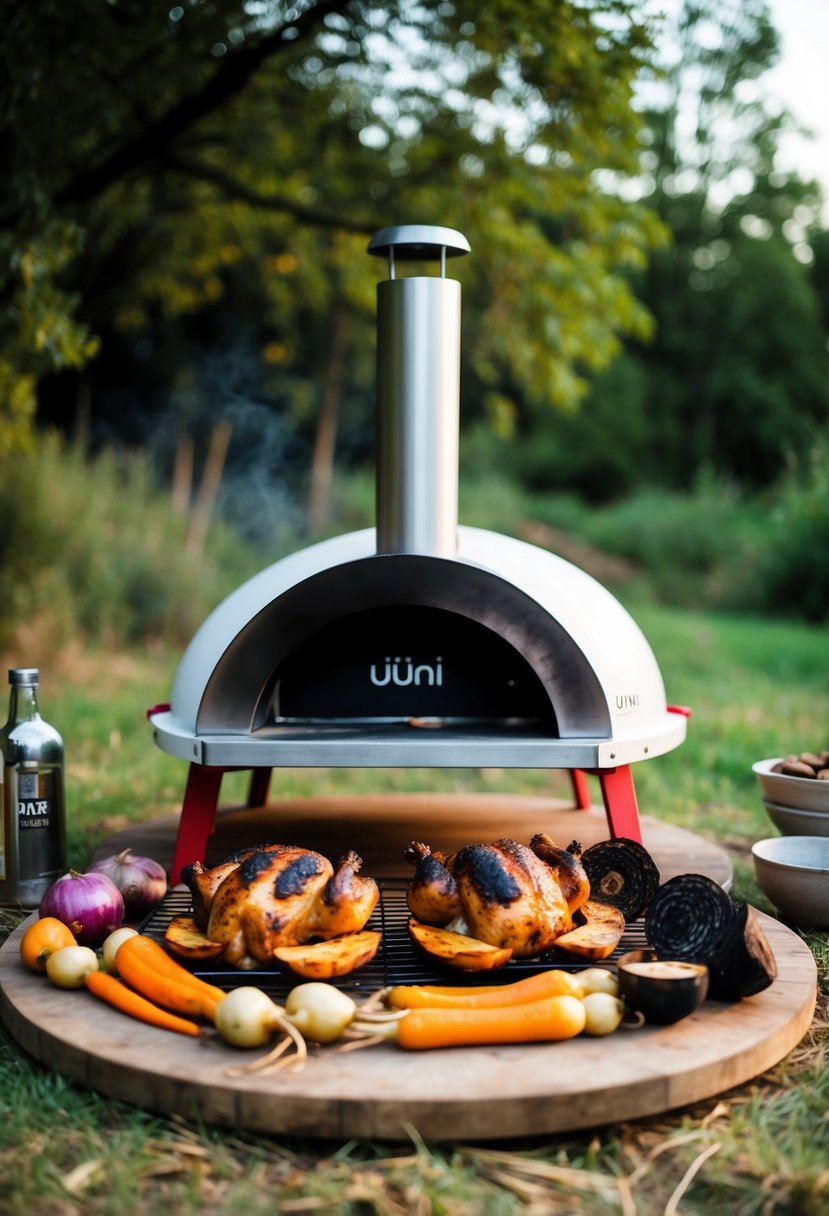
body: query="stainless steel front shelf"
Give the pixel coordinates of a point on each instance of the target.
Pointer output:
(400, 746)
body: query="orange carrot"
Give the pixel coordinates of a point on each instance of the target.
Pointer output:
(157, 957)
(138, 970)
(555, 982)
(556, 1017)
(111, 990)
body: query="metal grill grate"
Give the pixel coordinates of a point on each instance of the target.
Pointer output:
(398, 961)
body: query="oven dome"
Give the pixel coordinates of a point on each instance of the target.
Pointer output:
(576, 665)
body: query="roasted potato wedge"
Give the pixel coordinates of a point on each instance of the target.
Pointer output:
(600, 934)
(456, 949)
(326, 960)
(185, 939)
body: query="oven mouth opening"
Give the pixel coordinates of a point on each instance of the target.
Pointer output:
(412, 728)
(405, 667)
(428, 722)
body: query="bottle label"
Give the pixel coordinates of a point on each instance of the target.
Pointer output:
(38, 835)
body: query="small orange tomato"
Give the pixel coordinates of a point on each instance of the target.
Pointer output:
(43, 938)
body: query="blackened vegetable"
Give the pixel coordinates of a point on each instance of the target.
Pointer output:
(689, 918)
(622, 873)
(745, 965)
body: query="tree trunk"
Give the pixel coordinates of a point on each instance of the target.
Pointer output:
(325, 440)
(183, 475)
(208, 487)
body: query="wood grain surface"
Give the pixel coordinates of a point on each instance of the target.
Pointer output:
(450, 1094)
(446, 1095)
(379, 826)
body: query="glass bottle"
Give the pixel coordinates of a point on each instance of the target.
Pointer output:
(32, 818)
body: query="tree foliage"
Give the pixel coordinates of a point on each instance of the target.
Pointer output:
(167, 159)
(735, 379)
(739, 327)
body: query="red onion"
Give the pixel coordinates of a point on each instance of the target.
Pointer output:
(90, 904)
(141, 881)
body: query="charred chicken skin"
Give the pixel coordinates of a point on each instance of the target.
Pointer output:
(278, 895)
(505, 894)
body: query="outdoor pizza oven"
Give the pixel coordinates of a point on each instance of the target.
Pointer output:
(417, 643)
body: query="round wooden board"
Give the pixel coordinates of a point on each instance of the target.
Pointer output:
(379, 1093)
(382, 1092)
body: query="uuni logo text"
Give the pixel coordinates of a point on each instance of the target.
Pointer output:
(627, 701)
(402, 671)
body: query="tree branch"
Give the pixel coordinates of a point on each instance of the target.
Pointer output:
(230, 78)
(232, 188)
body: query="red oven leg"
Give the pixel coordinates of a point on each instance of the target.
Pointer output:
(198, 810)
(620, 802)
(581, 790)
(260, 779)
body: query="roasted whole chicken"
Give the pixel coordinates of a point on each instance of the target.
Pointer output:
(505, 894)
(273, 896)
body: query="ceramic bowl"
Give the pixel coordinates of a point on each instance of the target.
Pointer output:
(806, 793)
(793, 872)
(792, 821)
(662, 990)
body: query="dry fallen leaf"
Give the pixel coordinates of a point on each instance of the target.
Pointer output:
(80, 1177)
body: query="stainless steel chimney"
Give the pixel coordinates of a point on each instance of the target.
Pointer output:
(418, 393)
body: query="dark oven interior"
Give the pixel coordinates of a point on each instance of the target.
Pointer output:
(402, 662)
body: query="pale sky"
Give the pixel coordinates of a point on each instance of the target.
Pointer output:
(801, 80)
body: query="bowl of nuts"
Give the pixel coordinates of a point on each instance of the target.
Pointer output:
(799, 781)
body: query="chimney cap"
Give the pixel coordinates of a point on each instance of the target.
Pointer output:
(418, 242)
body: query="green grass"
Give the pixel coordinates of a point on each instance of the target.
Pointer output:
(756, 688)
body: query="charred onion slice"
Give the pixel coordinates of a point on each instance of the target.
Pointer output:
(745, 964)
(622, 873)
(689, 918)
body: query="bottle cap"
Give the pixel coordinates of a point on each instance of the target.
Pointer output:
(24, 677)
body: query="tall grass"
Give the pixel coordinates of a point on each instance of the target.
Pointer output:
(93, 548)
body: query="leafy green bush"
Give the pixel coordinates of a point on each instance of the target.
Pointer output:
(698, 549)
(93, 547)
(794, 572)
